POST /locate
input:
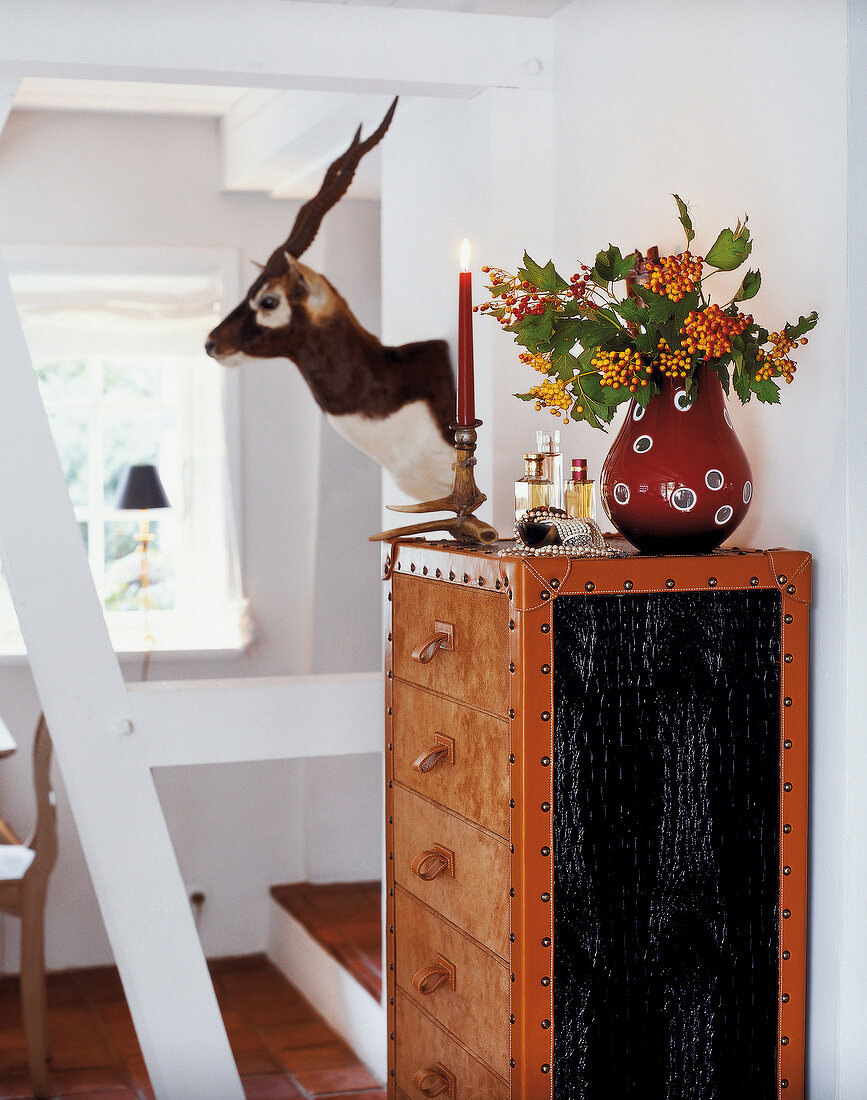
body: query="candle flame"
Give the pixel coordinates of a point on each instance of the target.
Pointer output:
(465, 255)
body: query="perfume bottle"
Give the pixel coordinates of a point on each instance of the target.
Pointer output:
(534, 490)
(579, 492)
(548, 444)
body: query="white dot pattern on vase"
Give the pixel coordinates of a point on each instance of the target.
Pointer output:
(748, 492)
(638, 412)
(723, 514)
(681, 402)
(714, 479)
(683, 499)
(642, 445)
(728, 419)
(621, 493)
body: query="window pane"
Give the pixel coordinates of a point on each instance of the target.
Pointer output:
(63, 379)
(70, 437)
(136, 378)
(123, 590)
(129, 439)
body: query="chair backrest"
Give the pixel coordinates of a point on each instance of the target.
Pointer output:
(44, 838)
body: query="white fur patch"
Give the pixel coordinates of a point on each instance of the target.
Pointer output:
(272, 318)
(408, 444)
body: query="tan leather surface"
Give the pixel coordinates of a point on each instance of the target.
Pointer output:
(477, 785)
(475, 898)
(475, 671)
(421, 1044)
(477, 1008)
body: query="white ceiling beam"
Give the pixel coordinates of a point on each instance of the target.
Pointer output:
(276, 44)
(282, 144)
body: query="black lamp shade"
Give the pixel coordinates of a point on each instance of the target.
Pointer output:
(142, 488)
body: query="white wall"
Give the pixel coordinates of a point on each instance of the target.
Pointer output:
(87, 179)
(742, 107)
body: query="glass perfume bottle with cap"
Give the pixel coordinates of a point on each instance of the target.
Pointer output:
(534, 489)
(579, 492)
(548, 444)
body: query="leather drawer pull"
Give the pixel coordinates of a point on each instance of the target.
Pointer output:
(443, 748)
(434, 976)
(444, 638)
(434, 861)
(435, 1082)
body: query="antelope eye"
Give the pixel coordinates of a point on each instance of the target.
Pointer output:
(269, 302)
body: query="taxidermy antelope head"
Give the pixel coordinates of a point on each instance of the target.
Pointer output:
(393, 403)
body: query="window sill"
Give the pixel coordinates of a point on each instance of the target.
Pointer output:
(13, 654)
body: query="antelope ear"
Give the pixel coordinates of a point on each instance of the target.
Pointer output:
(300, 283)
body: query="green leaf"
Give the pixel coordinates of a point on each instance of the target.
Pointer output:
(535, 332)
(685, 219)
(803, 326)
(749, 287)
(525, 396)
(632, 311)
(612, 266)
(544, 278)
(660, 308)
(723, 372)
(741, 382)
(767, 390)
(731, 248)
(565, 336)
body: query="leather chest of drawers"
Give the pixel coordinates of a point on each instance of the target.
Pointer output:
(596, 824)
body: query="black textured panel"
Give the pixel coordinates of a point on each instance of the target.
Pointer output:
(666, 841)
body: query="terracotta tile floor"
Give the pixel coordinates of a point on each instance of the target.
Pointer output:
(345, 918)
(283, 1049)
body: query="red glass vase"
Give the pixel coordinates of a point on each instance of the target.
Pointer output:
(677, 479)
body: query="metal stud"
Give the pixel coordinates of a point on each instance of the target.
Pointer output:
(511, 666)
(412, 567)
(546, 941)
(451, 574)
(511, 624)
(546, 1024)
(791, 589)
(438, 573)
(509, 593)
(590, 586)
(787, 744)
(481, 582)
(627, 585)
(784, 998)
(787, 870)
(545, 761)
(754, 581)
(786, 914)
(390, 710)
(784, 1040)
(545, 594)
(787, 702)
(390, 747)
(545, 715)
(511, 1021)
(497, 585)
(511, 758)
(545, 628)
(546, 896)
(546, 1068)
(399, 566)
(787, 787)
(466, 578)
(511, 712)
(554, 583)
(511, 803)
(511, 977)
(546, 981)
(782, 578)
(424, 570)
(546, 851)
(511, 937)
(512, 1060)
(787, 828)
(511, 891)
(670, 582)
(784, 1084)
(787, 955)
(788, 658)
(546, 669)
(546, 806)
(389, 674)
(711, 582)
(389, 635)
(788, 620)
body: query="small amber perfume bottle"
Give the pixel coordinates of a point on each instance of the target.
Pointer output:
(534, 490)
(579, 494)
(548, 444)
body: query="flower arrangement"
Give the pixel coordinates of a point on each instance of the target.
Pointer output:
(638, 319)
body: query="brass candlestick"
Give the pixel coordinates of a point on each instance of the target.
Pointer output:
(463, 500)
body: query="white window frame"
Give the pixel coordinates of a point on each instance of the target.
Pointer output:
(223, 263)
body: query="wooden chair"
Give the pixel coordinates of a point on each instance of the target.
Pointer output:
(24, 872)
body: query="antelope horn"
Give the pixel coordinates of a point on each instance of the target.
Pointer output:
(334, 186)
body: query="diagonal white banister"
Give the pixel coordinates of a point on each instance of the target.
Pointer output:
(104, 766)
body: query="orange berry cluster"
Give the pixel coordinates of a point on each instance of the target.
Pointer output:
(621, 368)
(775, 361)
(710, 331)
(552, 395)
(536, 361)
(672, 364)
(674, 276)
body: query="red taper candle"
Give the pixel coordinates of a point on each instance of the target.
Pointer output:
(466, 390)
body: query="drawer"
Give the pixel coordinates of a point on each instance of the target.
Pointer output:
(473, 891)
(462, 755)
(475, 669)
(464, 987)
(425, 1049)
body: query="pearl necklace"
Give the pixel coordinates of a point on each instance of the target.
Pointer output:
(577, 537)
